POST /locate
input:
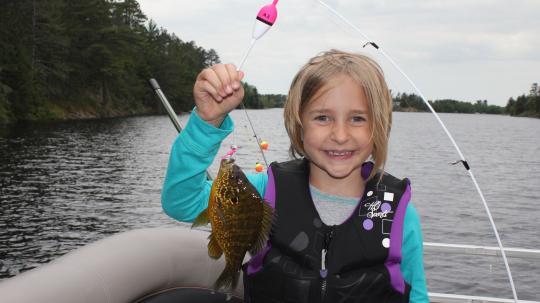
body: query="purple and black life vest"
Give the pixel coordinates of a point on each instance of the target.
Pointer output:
(309, 261)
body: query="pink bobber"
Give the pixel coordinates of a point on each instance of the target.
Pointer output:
(265, 19)
(268, 14)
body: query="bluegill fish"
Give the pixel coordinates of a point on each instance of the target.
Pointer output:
(240, 220)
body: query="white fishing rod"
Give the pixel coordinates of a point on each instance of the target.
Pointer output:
(265, 19)
(462, 158)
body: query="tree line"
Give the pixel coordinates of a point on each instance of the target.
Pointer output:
(62, 59)
(524, 105)
(413, 102)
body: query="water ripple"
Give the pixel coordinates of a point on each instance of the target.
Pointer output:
(63, 185)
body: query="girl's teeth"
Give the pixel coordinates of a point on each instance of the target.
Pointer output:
(338, 154)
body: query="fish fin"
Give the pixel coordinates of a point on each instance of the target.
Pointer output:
(214, 250)
(235, 281)
(266, 226)
(227, 281)
(202, 219)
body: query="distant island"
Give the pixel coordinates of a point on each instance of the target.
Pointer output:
(64, 59)
(526, 105)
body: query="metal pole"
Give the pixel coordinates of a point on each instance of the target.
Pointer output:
(166, 104)
(170, 111)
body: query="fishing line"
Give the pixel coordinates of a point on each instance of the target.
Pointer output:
(255, 135)
(463, 161)
(253, 40)
(246, 54)
(265, 19)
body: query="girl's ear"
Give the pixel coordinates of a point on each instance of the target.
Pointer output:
(302, 135)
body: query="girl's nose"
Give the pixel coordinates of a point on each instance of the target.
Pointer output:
(340, 133)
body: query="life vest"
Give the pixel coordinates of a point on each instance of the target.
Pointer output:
(307, 261)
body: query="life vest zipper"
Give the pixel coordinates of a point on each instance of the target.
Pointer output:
(324, 271)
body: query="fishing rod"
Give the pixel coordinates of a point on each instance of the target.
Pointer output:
(462, 158)
(170, 111)
(263, 22)
(265, 19)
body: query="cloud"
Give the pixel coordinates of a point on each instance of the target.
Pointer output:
(436, 41)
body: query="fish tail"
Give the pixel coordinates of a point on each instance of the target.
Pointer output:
(227, 281)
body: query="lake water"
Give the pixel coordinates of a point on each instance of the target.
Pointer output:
(66, 184)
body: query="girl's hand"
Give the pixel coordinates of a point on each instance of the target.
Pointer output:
(217, 91)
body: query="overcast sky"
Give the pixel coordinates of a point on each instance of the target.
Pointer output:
(458, 49)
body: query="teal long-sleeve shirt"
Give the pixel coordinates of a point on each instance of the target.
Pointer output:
(186, 191)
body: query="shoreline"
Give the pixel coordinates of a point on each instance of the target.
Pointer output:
(60, 114)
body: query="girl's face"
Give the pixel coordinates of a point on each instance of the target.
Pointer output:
(336, 131)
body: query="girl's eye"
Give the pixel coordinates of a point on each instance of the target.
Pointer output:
(358, 119)
(322, 118)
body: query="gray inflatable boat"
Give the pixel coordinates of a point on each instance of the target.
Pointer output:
(155, 265)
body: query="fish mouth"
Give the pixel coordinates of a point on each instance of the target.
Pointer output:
(227, 163)
(229, 169)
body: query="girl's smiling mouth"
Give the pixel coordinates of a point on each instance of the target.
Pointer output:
(340, 155)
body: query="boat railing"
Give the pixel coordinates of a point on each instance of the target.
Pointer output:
(476, 250)
(481, 250)
(450, 298)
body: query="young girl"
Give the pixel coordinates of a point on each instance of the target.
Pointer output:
(345, 230)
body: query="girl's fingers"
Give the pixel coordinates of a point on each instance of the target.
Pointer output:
(223, 74)
(210, 89)
(224, 77)
(212, 78)
(234, 75)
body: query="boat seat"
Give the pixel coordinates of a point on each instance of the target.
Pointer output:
(184, 294)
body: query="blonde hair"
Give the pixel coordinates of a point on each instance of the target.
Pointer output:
(317, 73)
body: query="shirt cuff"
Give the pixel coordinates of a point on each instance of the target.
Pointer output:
(203, 137)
